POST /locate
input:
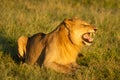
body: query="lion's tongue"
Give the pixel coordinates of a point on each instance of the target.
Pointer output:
(88, 38)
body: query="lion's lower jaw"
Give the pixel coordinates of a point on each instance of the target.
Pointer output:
(86, 43)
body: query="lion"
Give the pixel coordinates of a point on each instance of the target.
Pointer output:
(59, 49)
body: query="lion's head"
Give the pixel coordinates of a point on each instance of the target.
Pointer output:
(80, 31)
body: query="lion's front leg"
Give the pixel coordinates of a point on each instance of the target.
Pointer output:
(74, 66)
(59, 67)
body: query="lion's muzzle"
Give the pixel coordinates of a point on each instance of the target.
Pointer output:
(88, 37)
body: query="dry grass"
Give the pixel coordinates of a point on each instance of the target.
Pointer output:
(101, 61)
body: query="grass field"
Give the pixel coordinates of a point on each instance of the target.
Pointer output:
(101, 61)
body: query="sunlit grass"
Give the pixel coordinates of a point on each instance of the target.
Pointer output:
(101, 61)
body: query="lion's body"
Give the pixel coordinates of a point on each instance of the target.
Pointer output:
(59, 49)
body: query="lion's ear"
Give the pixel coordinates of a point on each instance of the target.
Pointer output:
(69, 22)
(75, 17)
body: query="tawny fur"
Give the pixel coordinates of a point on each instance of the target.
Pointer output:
(59, 49)
(22, 43)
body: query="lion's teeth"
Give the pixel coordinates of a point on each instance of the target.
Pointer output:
(90, 34)
(93, 34)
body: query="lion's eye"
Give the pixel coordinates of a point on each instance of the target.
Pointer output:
(86, 25)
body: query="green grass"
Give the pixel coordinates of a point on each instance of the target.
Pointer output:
(101, 61)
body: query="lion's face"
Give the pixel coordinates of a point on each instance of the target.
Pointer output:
(81, 31)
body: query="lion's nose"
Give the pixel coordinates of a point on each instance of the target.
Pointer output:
(95, 29)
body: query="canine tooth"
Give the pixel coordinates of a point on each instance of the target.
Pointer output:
(90, 34)
(94, 34)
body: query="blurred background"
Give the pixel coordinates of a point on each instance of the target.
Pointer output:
(101, 61)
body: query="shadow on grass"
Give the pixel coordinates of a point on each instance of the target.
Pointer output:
(9, 47)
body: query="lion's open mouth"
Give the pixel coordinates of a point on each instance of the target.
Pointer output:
(88, 38)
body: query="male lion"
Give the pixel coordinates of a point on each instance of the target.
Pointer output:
(59, 49)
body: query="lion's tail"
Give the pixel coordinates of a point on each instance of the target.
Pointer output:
(22, 43)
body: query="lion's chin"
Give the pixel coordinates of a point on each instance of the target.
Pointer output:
(86, 43)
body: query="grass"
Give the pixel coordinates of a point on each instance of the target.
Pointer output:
(101, 61)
